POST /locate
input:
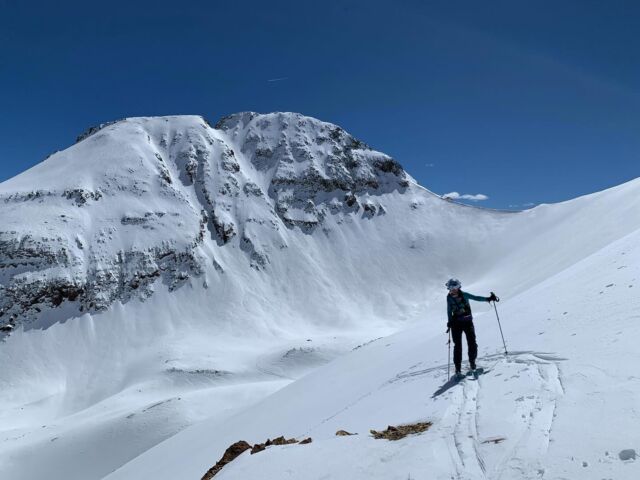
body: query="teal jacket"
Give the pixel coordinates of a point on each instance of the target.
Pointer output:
(457, 306)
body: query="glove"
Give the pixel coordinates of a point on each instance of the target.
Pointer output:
(448, 325)
(493, 298)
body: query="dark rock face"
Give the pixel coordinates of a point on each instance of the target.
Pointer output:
(230, 454)
(259, 447)
(127, 275)
(155, 197)
(316, 168)
(91, 130)
(81, 196)
(238, 448)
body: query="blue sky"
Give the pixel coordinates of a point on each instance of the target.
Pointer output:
(525, 102)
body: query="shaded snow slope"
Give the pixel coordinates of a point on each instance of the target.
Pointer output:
(163, 271)
(562, 404)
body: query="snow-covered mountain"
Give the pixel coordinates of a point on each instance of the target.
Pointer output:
(162, 271)
(143, 200)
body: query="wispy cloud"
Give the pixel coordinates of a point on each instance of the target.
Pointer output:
(429, 165)
(478, 197)
(279, 79)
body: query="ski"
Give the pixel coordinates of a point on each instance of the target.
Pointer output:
(475, 373)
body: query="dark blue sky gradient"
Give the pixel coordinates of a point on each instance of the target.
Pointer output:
(524, 101)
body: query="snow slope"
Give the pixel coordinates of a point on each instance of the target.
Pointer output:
(564, 400)
(172, 272)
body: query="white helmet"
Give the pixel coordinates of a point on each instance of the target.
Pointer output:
(453, 283)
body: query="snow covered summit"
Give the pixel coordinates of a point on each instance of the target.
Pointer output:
(144, 200)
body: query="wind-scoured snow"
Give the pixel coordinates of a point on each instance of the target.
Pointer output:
(163, 273)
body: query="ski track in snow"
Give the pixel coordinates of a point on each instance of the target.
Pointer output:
(461, 427)
(472, 453)
(533, 442)
(527, 444)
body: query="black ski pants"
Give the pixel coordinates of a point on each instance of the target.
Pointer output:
(466, 326)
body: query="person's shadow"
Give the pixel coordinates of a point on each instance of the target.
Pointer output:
(453, 381)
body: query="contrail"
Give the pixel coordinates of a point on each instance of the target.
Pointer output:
(277, 79)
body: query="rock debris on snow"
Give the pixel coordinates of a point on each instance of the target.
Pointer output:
(401, 431)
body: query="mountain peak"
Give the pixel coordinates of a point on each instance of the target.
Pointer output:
(148, 198)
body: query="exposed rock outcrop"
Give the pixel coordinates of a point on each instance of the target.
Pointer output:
(240, 447)
(230, 454)
(401, 431)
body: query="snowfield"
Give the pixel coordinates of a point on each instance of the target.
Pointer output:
(174, 287)
(564, 401)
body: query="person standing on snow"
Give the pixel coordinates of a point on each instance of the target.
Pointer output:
(460, 320)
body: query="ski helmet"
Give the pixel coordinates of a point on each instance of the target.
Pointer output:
(453, 283)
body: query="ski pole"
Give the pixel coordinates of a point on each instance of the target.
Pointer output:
(449, 357)
(499, 325)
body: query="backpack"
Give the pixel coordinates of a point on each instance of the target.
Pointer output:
(460, 307)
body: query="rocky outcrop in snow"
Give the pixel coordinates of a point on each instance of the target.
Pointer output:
(314, 168)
